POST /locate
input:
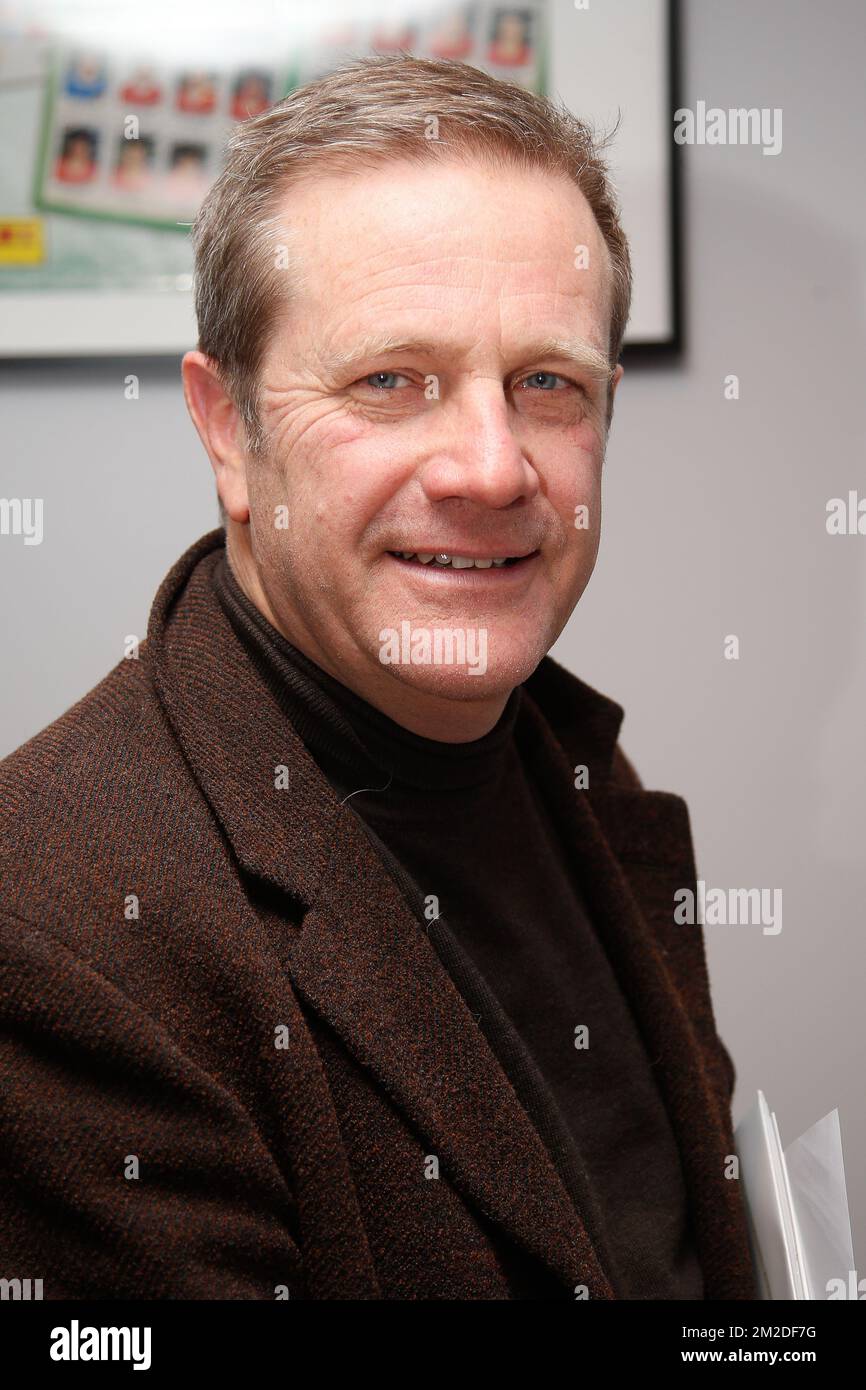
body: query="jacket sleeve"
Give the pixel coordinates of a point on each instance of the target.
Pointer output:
(728, 1065)
(126, 1171)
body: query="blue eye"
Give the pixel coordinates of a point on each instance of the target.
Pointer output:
(550, 375)
(373, 379)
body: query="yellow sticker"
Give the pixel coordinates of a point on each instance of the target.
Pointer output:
(21, 241)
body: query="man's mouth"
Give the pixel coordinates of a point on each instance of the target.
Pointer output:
(447, 560)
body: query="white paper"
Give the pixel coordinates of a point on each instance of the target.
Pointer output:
(817, 1177)
(796, 1206)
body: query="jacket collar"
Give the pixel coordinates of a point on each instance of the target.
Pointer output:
(585, 722)
(365, 966)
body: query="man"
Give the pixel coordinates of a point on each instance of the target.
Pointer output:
(338, 938)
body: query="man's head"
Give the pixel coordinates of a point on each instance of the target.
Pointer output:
(412, 289)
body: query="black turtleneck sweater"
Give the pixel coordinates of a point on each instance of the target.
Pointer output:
(465, 824)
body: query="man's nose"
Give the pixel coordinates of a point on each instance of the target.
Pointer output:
(478, 456)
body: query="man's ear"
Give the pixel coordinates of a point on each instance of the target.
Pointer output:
(220, 429)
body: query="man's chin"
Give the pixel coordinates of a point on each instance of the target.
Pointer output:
(474, 673)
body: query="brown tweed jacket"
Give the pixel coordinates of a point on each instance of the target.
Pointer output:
(230, 1052)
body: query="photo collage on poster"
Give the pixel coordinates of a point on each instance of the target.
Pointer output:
(135, 141)
(505, 40)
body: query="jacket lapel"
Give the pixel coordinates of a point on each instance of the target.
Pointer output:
(373, 974)
(625, 839)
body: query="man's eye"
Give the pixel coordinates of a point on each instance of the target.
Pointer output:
(383, 381)
(542, 381)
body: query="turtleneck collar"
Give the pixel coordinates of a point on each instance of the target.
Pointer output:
(354, 743)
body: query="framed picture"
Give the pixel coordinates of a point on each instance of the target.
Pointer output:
(111, 141)
(616, 64)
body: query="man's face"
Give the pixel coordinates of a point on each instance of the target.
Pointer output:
(473, 440)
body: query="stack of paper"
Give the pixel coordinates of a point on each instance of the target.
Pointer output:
(797, 1208)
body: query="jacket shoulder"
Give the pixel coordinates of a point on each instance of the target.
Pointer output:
(623, 775)
(84, 801)
(78, 750)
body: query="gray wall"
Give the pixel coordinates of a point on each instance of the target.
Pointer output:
(714, 524)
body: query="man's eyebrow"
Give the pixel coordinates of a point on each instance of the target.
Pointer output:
(574, 350)
(374, 345)
(581, 354)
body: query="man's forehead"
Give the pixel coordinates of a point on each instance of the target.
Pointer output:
(411, 214)
(360, 295)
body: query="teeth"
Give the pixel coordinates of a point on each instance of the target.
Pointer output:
(446, 561)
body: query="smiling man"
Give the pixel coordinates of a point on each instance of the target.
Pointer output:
(340, 930)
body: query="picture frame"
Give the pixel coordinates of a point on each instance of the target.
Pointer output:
(102, 269)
